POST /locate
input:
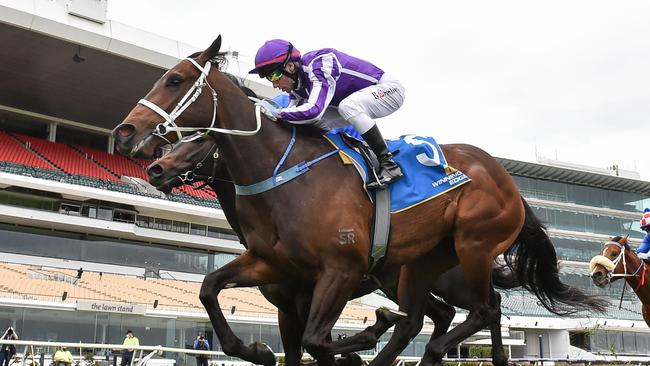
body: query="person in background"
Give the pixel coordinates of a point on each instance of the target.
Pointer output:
(62, 357)
(201, 344)
(127, 354)
(7, 351)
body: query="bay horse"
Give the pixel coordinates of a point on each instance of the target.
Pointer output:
(194, 160)
(293, 232)
(617, 260)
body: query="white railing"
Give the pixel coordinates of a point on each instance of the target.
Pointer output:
(143, 360)
(138, 354)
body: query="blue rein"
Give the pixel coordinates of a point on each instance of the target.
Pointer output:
(278, 179)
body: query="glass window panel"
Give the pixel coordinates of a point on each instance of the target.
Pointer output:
(105, 213)
(55, 244)
(181, 227)
(197, 229)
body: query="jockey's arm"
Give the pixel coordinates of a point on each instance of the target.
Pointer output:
(645, 246)
(323, 78)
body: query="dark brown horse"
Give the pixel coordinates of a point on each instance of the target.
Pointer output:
(293, 231)
(617, 260)
(197, 159)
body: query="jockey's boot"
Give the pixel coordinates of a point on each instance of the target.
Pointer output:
(388, 170)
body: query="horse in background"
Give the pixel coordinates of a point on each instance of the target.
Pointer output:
(617, 260)
(293, 231)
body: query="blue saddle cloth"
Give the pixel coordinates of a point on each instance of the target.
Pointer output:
(426, 173)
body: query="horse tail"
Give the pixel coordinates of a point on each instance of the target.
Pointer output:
(533, 261)
(504, 278)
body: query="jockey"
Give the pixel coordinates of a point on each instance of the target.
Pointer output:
(327, 77)
(643, 250)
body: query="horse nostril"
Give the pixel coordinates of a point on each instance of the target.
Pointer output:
(597, 275)
(124, 130)
(155, 171)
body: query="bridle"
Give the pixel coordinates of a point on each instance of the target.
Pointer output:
(190, 176)
(599, 259)
(169, 125)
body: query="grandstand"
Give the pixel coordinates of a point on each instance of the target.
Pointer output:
(66, 201)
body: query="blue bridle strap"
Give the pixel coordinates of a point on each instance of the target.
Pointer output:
(283, 177)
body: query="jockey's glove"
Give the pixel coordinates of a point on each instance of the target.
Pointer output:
(270, 110)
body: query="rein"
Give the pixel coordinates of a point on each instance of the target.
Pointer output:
(286, 175)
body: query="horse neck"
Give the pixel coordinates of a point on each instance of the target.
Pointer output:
(225, 191)
(639, 283)
(249, 159)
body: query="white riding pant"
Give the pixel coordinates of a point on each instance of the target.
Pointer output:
(376, 101)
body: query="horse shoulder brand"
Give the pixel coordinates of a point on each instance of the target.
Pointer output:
(346, 236)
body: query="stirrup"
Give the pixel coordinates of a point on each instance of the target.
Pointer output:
(385, 177)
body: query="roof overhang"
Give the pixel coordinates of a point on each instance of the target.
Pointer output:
(121, 63)
(566, 175)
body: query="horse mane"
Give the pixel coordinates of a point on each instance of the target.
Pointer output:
(618, 238)
(221, 62)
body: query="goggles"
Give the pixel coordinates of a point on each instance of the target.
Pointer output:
(275, 75)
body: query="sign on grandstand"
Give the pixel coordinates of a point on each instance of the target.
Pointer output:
(110, 307)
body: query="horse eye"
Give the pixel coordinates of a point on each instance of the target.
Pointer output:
(174, 81)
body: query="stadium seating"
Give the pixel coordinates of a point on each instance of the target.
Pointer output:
(85, 166)
(115, 163)
(66, 158)
(48, 284)
(13, 151)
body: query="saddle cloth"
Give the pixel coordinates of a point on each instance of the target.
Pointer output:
(426, 173)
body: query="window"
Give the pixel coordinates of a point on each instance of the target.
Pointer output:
(145, 221)
(163, 224)
(105, 213)
(196, 229)
(123, 216)
(181, 227)
(89, 211)
(70, 208)
(216, 232)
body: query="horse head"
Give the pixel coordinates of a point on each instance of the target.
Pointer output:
(610, 264)
(182, 94)
(188, 161)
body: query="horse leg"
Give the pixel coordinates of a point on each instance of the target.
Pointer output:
(484, 309)
(245, 271)
(441, 314)
(412, 294)
(332, 290)
(291, 329)
(367, 338)
(499, 357)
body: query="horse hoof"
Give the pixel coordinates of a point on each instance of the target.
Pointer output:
(389, 316)
(500, 361)
(350, 359)
(264, 354)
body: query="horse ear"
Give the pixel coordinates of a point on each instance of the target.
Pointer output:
(624, 239)
(213, 50)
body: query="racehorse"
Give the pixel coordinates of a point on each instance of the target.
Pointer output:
(617, 260)
(294, 231)
(197, 159)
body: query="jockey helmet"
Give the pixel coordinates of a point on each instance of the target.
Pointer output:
(273, 55)
(645, 220)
